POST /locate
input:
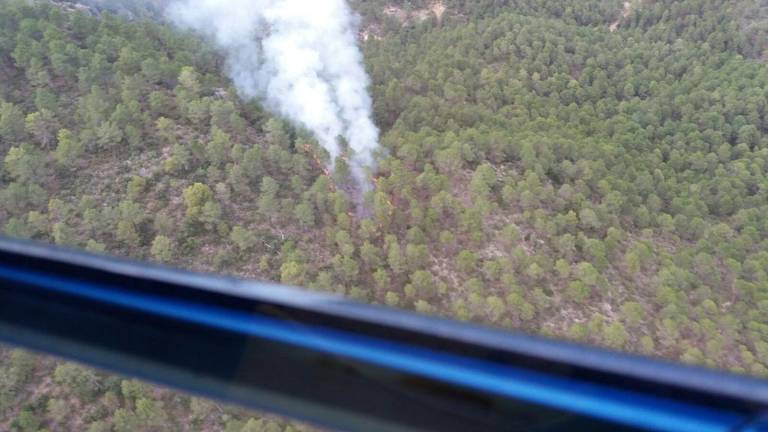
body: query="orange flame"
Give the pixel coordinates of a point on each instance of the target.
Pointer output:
(319, 163)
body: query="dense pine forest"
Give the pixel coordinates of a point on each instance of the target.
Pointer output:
(594, 170)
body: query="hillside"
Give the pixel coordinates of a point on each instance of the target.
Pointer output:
(544, 170)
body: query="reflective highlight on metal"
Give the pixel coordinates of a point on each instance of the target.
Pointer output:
(345, 365)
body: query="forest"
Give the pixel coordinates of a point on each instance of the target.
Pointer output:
(580, 170)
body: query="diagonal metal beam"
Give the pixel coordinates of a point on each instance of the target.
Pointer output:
(341, 364)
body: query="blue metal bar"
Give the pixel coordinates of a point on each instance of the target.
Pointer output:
(345, 365)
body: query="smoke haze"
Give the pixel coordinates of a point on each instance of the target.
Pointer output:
(301, 59)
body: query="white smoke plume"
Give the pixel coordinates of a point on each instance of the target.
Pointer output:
(301, 59)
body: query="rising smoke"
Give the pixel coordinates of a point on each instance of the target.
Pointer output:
(301, 59)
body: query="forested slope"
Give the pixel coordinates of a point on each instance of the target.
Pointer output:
(603, 185)
(541, 172)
